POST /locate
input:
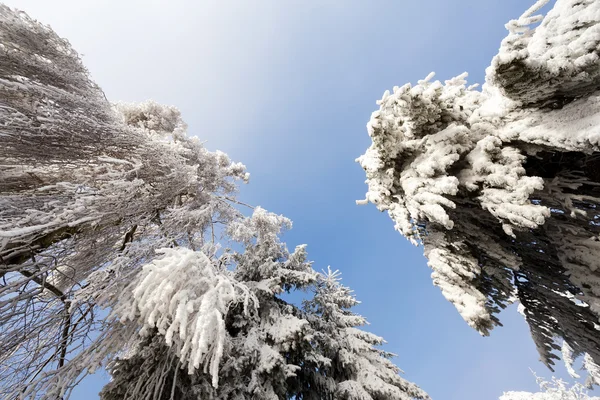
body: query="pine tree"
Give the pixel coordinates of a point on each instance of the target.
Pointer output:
(355, 368)
(500, 186)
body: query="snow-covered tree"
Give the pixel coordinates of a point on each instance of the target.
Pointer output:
(502, 186)
(88, 192)
(589, 365)
(113, 224)
(224, 316)
(555, 390)
(354, 367)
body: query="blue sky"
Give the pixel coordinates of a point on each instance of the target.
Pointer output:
(286, 87)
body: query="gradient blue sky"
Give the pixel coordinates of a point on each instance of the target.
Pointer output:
(286, 87)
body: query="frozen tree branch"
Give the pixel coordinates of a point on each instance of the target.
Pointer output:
(500, 186)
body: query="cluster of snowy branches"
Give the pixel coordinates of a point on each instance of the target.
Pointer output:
(502, 186)
(553, 390)
(114, 226)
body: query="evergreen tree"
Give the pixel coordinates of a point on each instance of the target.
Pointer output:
(500, 186)
(355, 368)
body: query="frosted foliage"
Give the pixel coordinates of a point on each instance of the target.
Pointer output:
(553, 390)
(593, 370)
(357, 368)
(568, 358)
(185, 298)
(558, 58)
(267, 263)
(353, 390)
(151, 116)
(88, 192)
(454, 275)
(263, 226)
(123, 247)
(500, 185)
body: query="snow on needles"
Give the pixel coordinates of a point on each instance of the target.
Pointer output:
(484, 179)
(185, 297)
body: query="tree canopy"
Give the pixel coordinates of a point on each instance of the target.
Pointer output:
(124, 246)
(501, 186)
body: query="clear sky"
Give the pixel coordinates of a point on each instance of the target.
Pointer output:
(286, 87)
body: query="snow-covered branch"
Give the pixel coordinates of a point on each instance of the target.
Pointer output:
(501, 185)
